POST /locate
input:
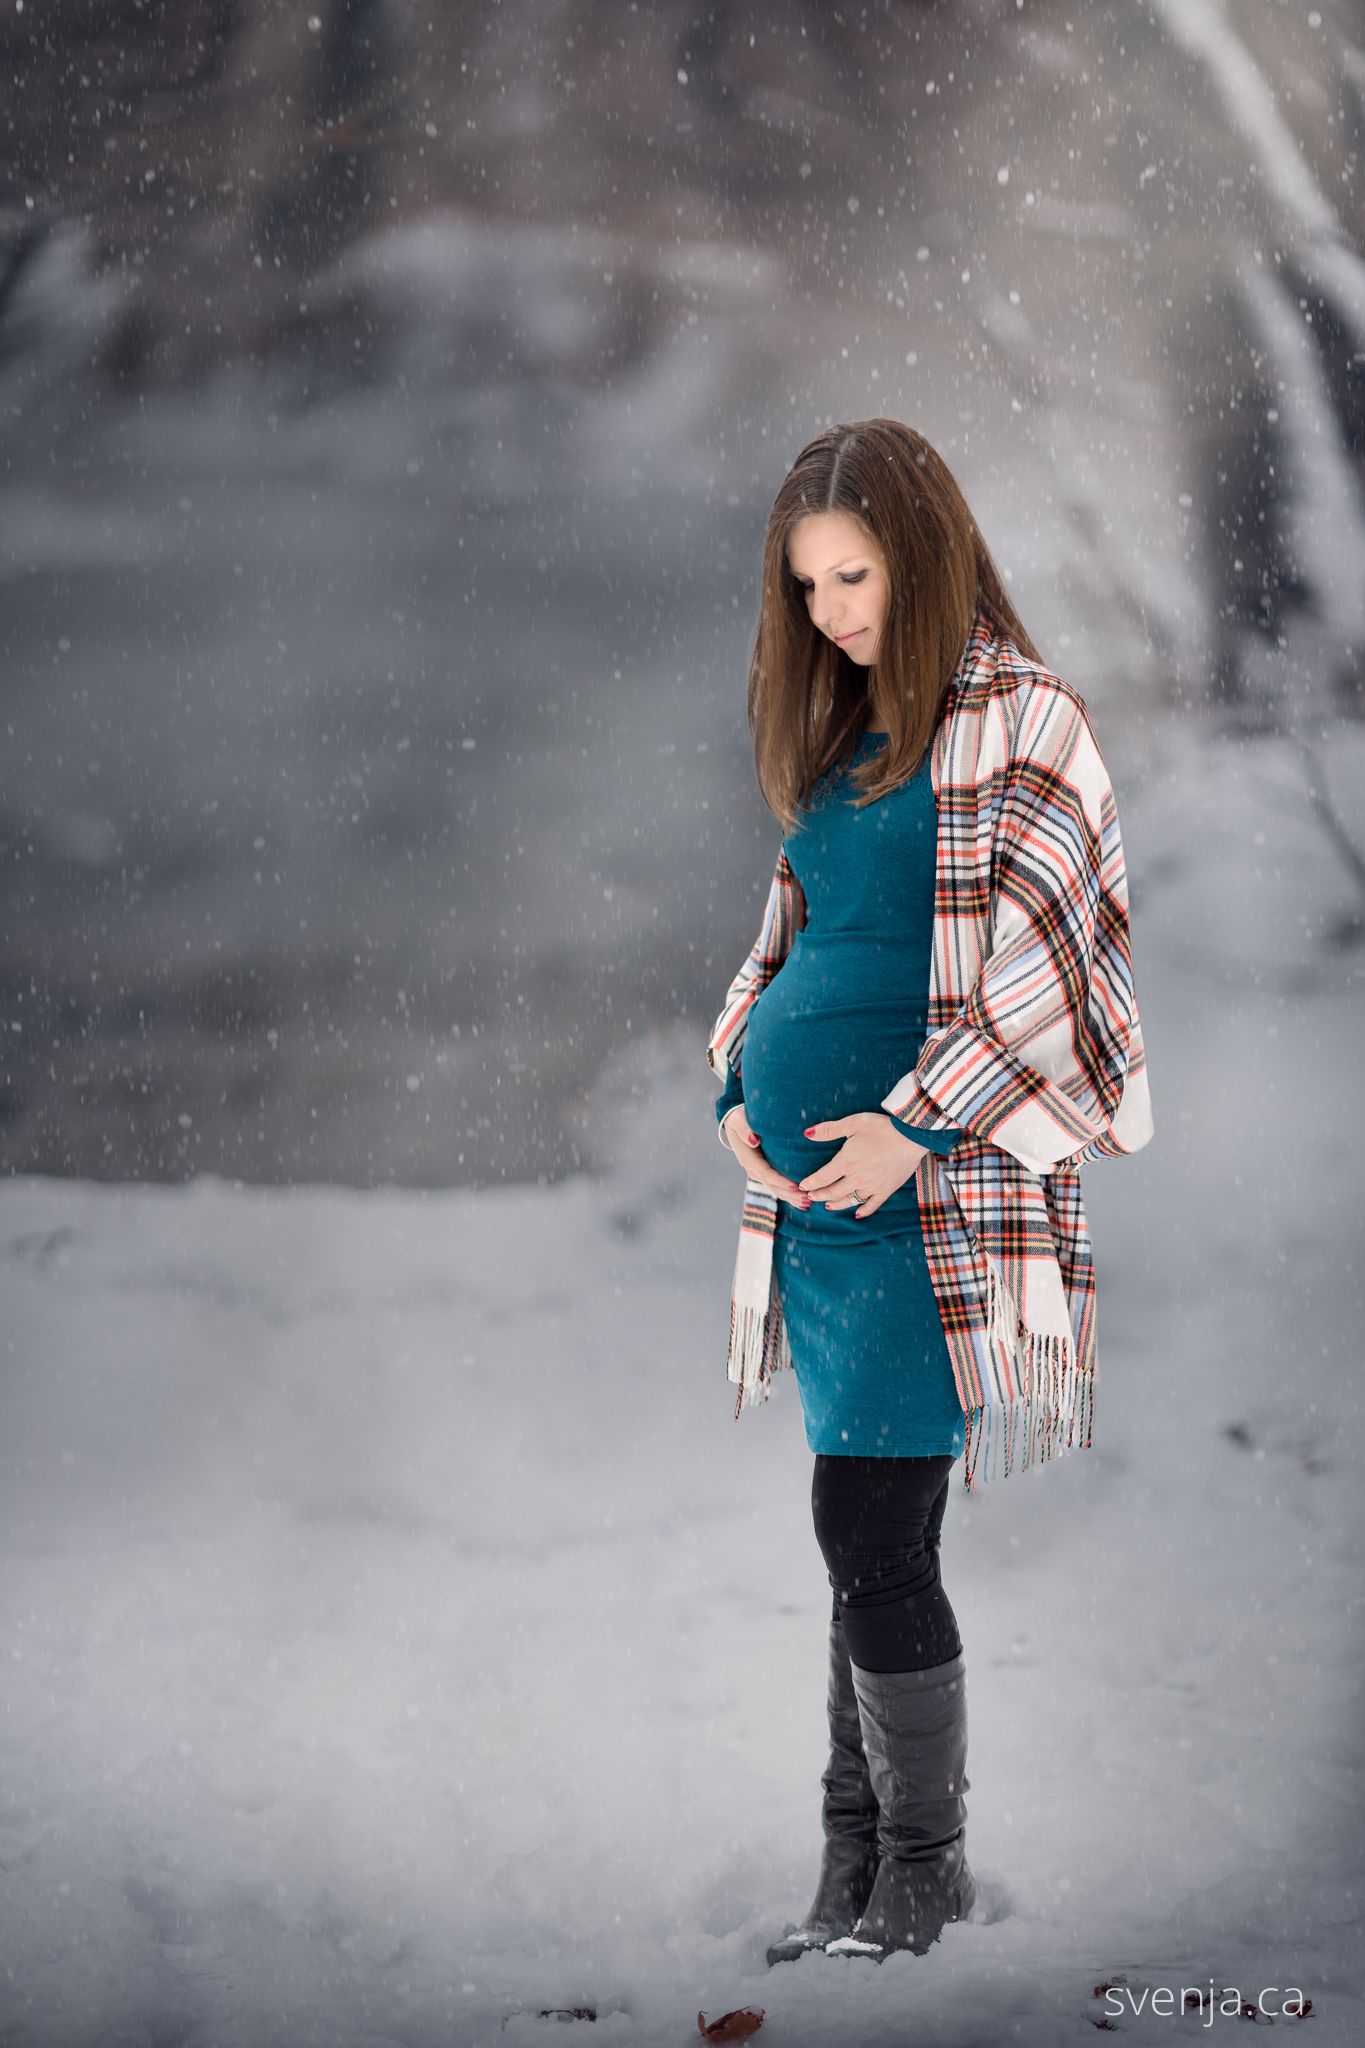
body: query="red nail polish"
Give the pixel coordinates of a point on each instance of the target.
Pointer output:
(809, 1131)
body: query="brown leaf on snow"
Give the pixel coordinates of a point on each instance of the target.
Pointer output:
(732, 2026)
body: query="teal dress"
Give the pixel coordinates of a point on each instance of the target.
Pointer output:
(842, 1019)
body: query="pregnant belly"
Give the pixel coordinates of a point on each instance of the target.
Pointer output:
(807, 1062)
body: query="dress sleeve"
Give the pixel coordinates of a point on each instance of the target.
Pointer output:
(1044, 1057)
(933, 1141)
(730, 1094)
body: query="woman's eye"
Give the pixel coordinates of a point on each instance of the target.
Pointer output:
(857, 578)
(806, 588)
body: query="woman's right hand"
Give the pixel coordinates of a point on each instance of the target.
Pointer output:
(746, 1148)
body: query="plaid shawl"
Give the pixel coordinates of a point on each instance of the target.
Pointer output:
(1034, 1051)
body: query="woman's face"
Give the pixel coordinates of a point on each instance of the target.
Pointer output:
(840, 567)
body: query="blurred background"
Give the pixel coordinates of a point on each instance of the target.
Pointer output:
(391, 398)
(400, 1636)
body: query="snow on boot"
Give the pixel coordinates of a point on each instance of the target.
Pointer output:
(914, 1727)
(848, 1863)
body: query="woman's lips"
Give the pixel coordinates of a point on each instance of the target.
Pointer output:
(842, 639)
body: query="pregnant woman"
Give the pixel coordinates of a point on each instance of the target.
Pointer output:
(936, 1024)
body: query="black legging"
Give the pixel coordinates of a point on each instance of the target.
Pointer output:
(877, 1522)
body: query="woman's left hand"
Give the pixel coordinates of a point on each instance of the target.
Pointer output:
(875, 1159)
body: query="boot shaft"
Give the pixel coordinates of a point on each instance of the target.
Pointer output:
(914, 1732)
(850, 1804)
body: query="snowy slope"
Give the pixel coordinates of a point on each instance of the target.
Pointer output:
(400, 1636)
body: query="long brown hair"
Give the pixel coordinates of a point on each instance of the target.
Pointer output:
(806, 698)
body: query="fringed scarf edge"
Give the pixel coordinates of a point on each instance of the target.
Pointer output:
(1043, 1395)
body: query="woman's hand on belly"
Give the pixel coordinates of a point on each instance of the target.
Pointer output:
(875, 1159)
(746, 1148)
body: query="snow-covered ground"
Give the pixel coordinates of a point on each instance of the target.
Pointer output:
(401, 1637)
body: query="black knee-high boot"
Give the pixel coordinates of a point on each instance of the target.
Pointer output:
(851, 1814)
(914, 1728)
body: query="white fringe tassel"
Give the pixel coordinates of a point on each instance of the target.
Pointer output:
(1051, 1411)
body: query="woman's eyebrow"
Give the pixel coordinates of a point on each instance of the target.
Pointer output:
(833, 565)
